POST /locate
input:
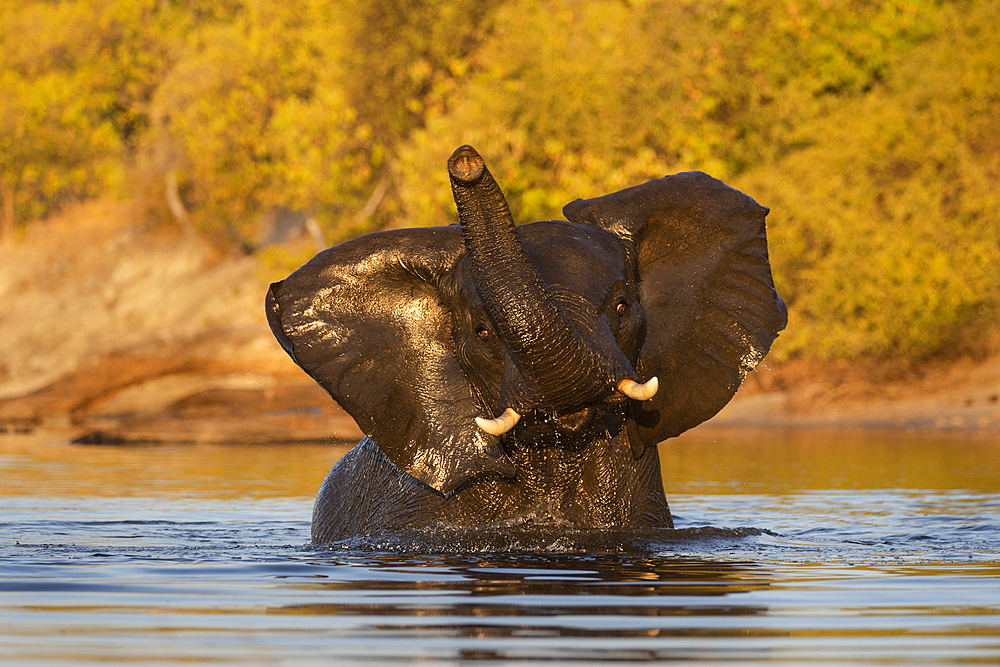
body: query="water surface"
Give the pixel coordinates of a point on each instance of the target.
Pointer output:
(802, 548)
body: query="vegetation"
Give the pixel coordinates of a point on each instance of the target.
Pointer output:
(870, 127)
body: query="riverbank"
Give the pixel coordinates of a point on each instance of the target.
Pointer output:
(963, 396)
(114, 332)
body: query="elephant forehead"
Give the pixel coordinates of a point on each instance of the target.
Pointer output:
(579, 258)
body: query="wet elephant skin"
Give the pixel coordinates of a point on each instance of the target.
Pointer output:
(553, 334)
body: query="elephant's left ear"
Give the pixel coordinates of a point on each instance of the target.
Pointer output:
(711, 308)
(366, 319)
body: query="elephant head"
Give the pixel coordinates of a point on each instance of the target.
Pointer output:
(455, 348)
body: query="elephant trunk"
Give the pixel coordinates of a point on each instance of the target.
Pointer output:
(558, 370)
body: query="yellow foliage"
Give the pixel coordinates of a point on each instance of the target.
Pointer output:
(869, 127)
(885, 235)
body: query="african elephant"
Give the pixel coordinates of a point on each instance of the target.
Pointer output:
(514, 375)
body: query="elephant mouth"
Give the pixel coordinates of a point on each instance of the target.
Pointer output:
(541, 426)
(585, 418)
(575, 421)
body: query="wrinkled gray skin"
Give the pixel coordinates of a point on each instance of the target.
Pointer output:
(418, 332)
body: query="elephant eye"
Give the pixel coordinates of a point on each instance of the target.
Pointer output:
(622, 307)
(482, 333)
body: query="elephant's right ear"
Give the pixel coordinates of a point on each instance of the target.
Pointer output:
(705, 284)
(366, 320)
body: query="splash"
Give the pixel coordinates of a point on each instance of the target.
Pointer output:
(547, 539)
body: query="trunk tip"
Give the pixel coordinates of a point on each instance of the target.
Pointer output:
(465, 165)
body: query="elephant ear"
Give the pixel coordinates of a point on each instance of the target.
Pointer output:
(711, 308)
(367, 321)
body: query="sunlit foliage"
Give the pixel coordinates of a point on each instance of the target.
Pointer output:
(74, 77)
(870, 127)
(886, 223)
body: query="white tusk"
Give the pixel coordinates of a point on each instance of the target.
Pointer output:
(501, 424)
(639, 392)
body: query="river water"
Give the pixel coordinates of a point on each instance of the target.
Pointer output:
(792, 547)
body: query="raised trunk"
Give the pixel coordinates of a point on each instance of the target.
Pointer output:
(559, 371)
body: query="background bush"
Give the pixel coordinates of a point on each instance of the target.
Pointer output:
(872, 129)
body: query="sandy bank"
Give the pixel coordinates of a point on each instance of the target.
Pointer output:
(112, 332)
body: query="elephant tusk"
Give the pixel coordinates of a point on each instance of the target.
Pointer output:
(639, 392)
(501, 424)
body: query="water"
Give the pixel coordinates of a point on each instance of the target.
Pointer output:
(797, 548)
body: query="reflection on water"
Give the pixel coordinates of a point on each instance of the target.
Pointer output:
(799, 549)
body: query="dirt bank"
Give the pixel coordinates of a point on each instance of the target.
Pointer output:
(113, 332)
(960, 396)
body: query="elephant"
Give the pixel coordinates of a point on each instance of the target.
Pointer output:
(523, 375)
